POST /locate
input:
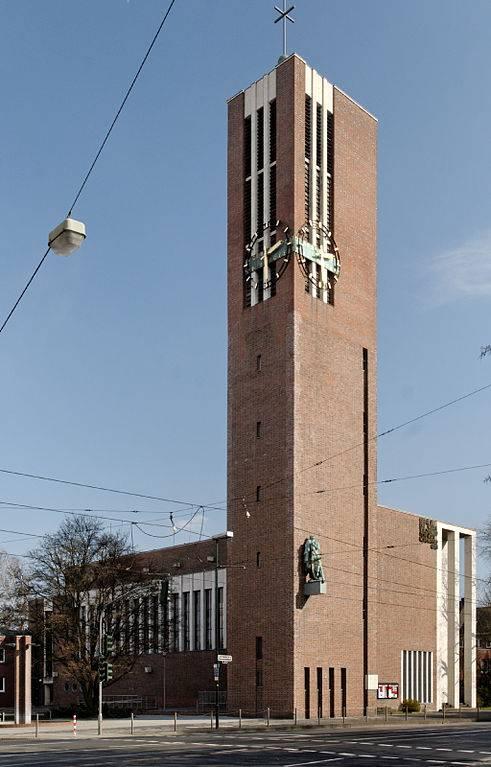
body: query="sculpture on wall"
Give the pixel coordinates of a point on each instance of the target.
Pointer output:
(312, 562)
(428, 532)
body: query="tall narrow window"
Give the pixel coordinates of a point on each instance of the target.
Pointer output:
(260, 205)
(247, 146)
(258, 559)
(332, 702)
(260, 138)
(145, 626)
(247, 211)
(319, 692)
(330, 171)
(258, 493)
(308, 127)
(343, 692)
(258, 429)
(208, 643)
(185, 621)
(272, 130)
(306, 672)
(136, 626)
(258, 363)
(155, 623)
(272, 196)
(175, 622)
(219, 607)
(259, 648)
(197, 619)
(318, 136)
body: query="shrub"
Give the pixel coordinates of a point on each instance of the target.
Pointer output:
(410, 705)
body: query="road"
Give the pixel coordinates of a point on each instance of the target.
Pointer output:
(444, 745)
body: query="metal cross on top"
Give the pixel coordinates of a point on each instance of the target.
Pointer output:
(284, 17)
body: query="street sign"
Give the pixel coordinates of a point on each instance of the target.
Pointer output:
(225, 659)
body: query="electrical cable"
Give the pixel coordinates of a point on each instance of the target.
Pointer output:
(94, 161)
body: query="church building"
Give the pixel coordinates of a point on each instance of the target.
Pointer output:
(328, 603)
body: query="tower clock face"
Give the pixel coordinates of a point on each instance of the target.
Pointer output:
(318, 254)
(272, 260)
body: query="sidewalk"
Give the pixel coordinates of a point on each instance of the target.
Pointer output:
(164, 725)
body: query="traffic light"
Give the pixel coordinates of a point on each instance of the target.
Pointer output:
(109, 671)
(102, 670)
(108, 644)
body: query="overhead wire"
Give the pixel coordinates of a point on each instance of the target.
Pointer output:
(94, 161)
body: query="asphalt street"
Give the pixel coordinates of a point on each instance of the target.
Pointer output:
(459, 746)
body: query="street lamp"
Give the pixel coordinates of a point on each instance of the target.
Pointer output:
(217, 538)
(67, 237)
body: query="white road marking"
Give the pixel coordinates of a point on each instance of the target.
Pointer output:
(409, 746)
(424, 748)
(318, 761)
(443, 749)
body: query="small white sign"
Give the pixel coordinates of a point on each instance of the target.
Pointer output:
(225, 659)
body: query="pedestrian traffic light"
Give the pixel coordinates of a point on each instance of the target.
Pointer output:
(108, 644)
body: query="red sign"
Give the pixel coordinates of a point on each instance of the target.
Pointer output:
(388, 691)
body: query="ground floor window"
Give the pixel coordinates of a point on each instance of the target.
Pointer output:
(417, 675)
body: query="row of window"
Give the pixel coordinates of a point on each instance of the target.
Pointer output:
(331, 689)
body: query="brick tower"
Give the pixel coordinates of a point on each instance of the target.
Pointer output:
(301, 389)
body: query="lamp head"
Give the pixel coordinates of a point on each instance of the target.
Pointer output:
(67, 237)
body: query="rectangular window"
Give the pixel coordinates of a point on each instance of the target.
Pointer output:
(221, 635)
(260, 207)
(258, 559)
(332, 702)
(330, 172)
(416, 673)
(343, 691)
(247, 211)
(247, 146)
(307, 191)
(258, 429)
(258, 363)
(260, 138)
(272, 196)
(197, 619)
(175, 622)
(308, 127)
(155, 623)
(2, 655)
(208, 643)
(185, 621)
(146, 626)
(136, 626)
(2, 684)
(259, 648)
(330, 143)
(318, 126)
(306, 673)
(259, 677)
(272, 130)
(258, 493)
(319, 693)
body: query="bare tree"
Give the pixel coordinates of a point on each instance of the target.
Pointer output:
(83, 571)
(14, 593)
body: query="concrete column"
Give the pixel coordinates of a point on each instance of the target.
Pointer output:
(22, 682)
(453, 607)
(470, 620)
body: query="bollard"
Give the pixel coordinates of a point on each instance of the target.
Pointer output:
(74, 725)
(460, 711)
(211, 721)
(267, 716)
(37, 725)
(3, 716)
(132, 723)
(175, 721)
(343, 713)
(318, 715)
(295, 717)
(240, 718)
(477, 711)
(405, 713)
(443, 712)
(386, 714)
(424, 711)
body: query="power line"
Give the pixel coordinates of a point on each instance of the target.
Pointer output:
(94, 161)
(105, 489)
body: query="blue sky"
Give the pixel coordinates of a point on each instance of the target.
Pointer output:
(114, 366)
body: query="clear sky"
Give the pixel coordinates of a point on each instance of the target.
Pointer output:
(114, 366)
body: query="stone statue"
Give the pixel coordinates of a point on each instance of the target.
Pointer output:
(312, 564)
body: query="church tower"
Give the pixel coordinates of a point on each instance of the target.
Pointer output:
(301, 394)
